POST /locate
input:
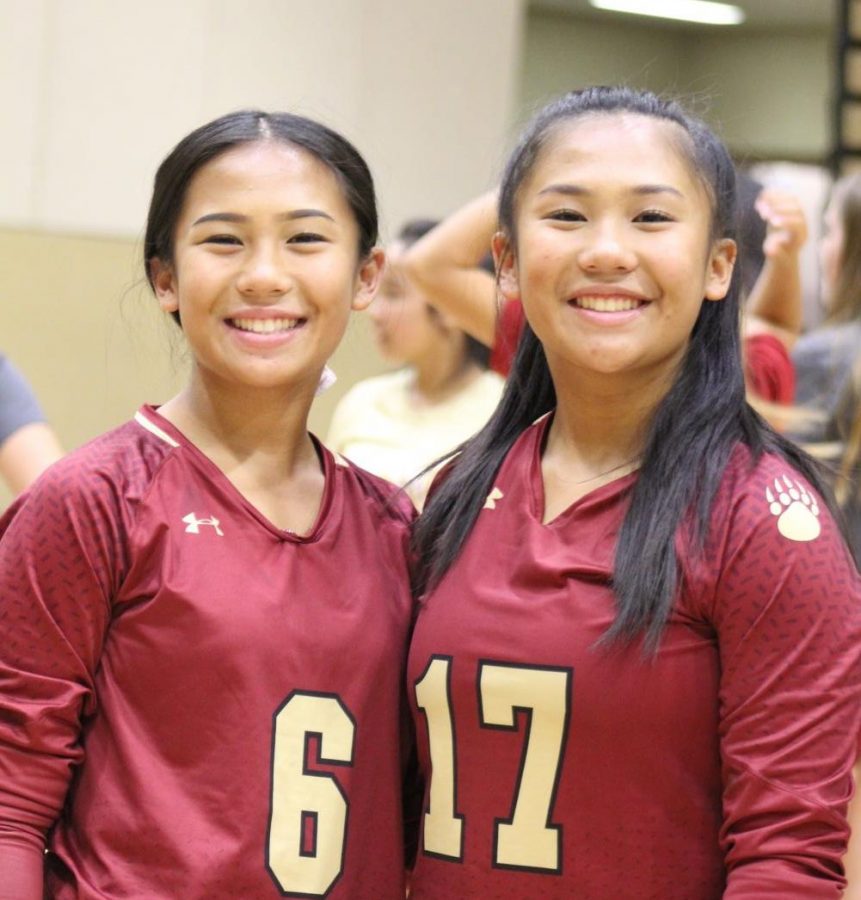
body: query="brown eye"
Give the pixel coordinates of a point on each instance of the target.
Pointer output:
(306, 237)
(566, 215)
(653, 216)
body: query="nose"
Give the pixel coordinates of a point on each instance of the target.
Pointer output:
(264, 274)
(605, 249)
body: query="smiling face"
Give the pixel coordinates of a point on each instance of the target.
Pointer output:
(265, 267)
(613, 255)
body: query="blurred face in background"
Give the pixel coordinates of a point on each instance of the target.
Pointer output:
(405, 327)
(830, 250)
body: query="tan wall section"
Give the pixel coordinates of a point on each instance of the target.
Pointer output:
(767, 94)
(77, 318)
(562, 53)
(96, 92)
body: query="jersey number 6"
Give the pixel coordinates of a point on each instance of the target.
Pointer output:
(525, 839)
(308, 820)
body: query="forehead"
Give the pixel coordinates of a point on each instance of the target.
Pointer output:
(618, 148)
(265, 171)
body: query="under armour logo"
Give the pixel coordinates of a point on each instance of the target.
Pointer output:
(492, 497)
(193, 524)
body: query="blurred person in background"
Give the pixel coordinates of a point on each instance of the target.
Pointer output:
(397, 424)
(828, 358)
(27, 443)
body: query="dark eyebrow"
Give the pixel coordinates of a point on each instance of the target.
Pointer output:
(575, 190)
(657, 189)
(236, 218)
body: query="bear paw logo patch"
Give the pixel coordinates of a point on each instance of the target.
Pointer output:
(796, 511)
(492, 497)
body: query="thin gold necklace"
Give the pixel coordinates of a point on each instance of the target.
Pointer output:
(621, 465)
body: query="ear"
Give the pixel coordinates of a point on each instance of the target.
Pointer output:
(164, 285)
(720, 265)
(368, 278)
(506, 266)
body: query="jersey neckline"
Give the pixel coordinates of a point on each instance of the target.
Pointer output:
(149, 418)
(538, 436)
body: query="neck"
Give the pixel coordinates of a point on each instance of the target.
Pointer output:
(443, 371)
(601, 421)
(264, 429)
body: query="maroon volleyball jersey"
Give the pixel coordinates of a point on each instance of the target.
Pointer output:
(197, 703)
(719, 768)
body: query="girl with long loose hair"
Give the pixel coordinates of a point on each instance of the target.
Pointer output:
(636, 671)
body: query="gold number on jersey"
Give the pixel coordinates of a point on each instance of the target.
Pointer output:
(308, 823)
(526, 839)
(443, 827)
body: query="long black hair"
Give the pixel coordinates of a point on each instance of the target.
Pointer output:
(692, 433)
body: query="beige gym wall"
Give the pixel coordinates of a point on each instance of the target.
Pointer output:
(767, 93)
(97, 91)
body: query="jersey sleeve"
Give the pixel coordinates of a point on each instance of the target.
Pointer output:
(786, 611)
(60, 552)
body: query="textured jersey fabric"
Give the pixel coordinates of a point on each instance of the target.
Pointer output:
(18, 404)
(768, 368)
(719, 769)
(378, 426)
(205, 705)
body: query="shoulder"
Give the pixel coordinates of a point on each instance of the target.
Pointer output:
(770, 493)
(80, 513)
(372, 395)
(488, 384)
(107, 472)
(382, 497)
(769, 528)
(378, 385)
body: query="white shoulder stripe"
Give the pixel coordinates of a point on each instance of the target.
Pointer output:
(144, 422)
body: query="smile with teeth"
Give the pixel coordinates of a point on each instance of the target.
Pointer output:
(608, 304)
(265, 326)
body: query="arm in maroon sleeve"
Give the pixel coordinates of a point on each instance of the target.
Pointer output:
(58, 553)
(788, 618)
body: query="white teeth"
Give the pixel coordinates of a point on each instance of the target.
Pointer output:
(265, 326)
(608, 304)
